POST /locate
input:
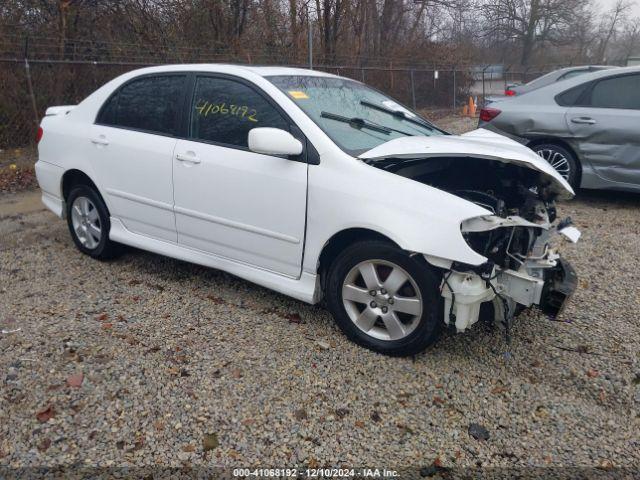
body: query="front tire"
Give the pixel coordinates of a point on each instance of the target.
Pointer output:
(384, 299)
(88, 221)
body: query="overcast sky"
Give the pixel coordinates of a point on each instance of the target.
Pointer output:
(607, 4)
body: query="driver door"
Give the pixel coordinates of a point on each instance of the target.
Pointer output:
(228, 200)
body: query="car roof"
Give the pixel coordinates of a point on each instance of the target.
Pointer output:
(547, 93)
(239, 69)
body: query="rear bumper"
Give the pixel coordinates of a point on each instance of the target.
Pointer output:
(50, 180)
(560, 284)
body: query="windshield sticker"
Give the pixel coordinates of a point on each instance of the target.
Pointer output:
(298, 95)
(206, 108)
(391, 105)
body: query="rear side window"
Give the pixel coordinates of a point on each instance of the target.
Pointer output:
(617, 92)
(223, 111)
(150, 104)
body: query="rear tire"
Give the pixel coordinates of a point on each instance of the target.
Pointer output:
(562, 160)
(89, 225)
(384, 299)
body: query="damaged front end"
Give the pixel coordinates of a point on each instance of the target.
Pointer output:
(518, 190)
(522, 270)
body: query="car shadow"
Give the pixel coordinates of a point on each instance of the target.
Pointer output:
(624, 199)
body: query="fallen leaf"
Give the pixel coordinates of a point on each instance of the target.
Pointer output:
(437, 400)
(313, 463)
(45, 415)
(75, 380)
(499, 389)
(209, 441)
(107, 326)
(102, 317)
(216, 300)
(593, 373)
(322, 344)
(359, 423)
(44, 445)
(248, 421)
(437, 463)
(189, 448)
(237, 373)
(605, 464)
(159, 425)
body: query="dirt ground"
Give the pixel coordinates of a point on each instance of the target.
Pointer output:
(147, 360)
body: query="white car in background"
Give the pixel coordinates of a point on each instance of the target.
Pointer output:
(315, 186)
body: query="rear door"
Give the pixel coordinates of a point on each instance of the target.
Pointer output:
(132, 150)
(230, 201)
(606, 127)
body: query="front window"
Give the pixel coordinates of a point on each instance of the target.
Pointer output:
(223, 111)
(356, 117)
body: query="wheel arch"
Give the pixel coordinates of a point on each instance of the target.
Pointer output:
(339, 241)
(73, 177)
(561, 143)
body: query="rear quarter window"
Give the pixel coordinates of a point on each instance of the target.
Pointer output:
(151, 104)
(572, 97)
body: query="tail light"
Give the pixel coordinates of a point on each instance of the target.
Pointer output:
(510, 93)
(39, 134)
(488, 114)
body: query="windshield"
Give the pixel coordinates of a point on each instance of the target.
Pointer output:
(356, 117)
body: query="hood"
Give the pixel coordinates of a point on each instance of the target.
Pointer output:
(479, 143)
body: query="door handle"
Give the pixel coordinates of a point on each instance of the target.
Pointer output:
(187, 158)
(101, 140)
(584, 120)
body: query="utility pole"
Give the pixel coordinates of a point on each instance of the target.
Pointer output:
(309, 38)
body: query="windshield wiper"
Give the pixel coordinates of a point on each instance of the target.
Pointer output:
(359, 123)
(356, 122)
(398, 114)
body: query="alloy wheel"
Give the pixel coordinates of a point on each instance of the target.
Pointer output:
(86, 222)
(558, 161)
(382, 299)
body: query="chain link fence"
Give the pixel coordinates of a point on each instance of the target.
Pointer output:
(32, 78)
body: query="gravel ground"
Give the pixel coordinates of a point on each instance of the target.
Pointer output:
(150, 361)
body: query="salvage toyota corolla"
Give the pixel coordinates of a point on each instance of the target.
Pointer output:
(315, 186)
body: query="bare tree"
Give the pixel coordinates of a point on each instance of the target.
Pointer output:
(609, 26)
(529, 22)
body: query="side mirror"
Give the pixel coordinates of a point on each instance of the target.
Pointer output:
(273, 141)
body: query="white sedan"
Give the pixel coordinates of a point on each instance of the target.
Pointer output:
(315, 186)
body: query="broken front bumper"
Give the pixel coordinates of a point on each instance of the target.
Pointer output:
(558, 289)
(543, 279)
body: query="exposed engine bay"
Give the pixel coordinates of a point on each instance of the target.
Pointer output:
(521, 268)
